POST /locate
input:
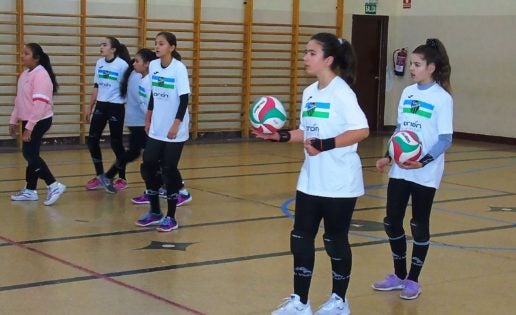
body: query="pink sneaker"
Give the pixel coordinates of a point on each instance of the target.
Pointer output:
(93, 183)
(140, 200)
(120, 184)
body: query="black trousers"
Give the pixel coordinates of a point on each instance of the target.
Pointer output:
(36, 166)
(106, 113)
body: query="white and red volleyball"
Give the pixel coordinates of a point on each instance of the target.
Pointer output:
(405, 146)
(267, 114)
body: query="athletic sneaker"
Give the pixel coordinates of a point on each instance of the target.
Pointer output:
(149, 218)
(293, 306)
(25, 195)
(184, 198)
(93, 183)
(167, 224)
(391, 282)
(55, 190)
(334, 306)
(140, 200)
(162, 193)
(120, 184)
(107, 183)
(411, 290)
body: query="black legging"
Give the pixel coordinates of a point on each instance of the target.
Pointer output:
(105, 113)
(166, 154)
(398, 193)
(337, 213)
(137, 138)
(36, 166)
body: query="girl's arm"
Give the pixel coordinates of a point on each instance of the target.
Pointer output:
(314, 145)
(93, 101)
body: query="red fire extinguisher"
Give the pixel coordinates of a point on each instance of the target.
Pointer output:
(399, 56)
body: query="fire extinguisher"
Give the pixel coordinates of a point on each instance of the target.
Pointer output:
(399, 56)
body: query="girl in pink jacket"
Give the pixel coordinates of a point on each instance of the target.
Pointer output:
(33, 108)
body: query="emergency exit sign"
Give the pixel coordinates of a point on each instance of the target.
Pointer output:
(370, 8)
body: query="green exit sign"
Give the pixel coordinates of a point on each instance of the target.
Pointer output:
(370, 8)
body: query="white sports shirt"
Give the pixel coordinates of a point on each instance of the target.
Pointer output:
(167, 85)
(328, 113)
(428, 113)
(108, 77)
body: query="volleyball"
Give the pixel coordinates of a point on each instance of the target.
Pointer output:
(267, 114)
(404, 146)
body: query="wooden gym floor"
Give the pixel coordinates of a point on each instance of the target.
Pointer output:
(230, 255)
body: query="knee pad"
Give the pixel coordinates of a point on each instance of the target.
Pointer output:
(301, 244)
(420, 232)
(148, 171)
(337, 246)
(393, 231)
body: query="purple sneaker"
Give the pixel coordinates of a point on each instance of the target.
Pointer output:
(183, 198)
(391, 282)
(167, 224)
(411, 290)
(149, 218)
(140, 200)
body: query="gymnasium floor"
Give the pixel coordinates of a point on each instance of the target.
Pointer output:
(230, 255)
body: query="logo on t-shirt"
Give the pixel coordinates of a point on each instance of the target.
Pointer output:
(163, 82)
(142, 92)
(316, 109)
(418, 108)
(106, 74)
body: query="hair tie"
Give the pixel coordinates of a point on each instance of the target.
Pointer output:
(431, 42)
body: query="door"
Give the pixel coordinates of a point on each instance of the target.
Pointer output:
(369, 39)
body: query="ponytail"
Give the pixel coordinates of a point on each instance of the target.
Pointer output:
(344, 61)
(125, 79)
(433, 51)
(44, 61)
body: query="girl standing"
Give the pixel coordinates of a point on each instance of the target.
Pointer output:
(107, 107)
(425, 108)
(167, 125)
(136, 85)
(33, 107)
(331, 125)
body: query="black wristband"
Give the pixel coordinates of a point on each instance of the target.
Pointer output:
(323, 144)
(284, 136)
(426, 159)
(387, 155)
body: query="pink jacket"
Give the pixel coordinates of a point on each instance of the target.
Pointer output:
(33, 100)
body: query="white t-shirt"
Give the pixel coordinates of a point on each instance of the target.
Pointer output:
(108, 77)
(327, 113)
(167, 85)
(428, 113)
(134, 112)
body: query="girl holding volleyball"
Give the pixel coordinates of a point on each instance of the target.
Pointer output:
(33, 108)
(166, 124)
(425, 108)
(331, 125)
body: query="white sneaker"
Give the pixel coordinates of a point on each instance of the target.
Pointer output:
(334, 306)
(293, 306)
(55, 191)
(25, 195)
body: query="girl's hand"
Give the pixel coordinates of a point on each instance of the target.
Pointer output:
(26, 135)
(410, 165)
(172, 133)
(381, 163)
(88, 116)
(266, 136)
(309, 148)
(13, 130)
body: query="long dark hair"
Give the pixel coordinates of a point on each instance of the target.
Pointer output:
(120, 49)
(44, 60)
(147, 55)
(344, 61)
(171, 39)
(434, 52)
